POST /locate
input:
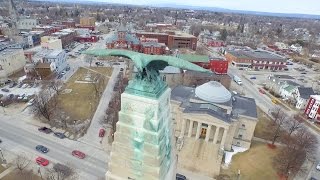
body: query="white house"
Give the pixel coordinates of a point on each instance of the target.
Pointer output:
(296, 47)
(302, 95)
(56, 58)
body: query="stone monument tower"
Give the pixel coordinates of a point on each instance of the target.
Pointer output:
(143, 147)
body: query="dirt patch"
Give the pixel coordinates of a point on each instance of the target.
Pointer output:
(256, 163)
(17, 175)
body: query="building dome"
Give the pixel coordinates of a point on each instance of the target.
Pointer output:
(213, 92)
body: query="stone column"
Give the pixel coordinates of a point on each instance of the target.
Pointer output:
(216, 133)
(190, 128)
(208, 133)
(225, 131)
(183, 127)
(198, 130)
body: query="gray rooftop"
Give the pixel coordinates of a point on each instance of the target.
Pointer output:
(244, 106)
(257, 55)
(305, 92)
(54, 53)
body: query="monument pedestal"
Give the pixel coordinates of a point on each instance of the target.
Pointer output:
(143, 146)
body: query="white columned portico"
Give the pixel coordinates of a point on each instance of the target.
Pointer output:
(208, 133)
(198, 130)
(183, 128)
(190, 128)
(224, 136)
(215, 137)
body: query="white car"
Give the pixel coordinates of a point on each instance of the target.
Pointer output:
(318, 166)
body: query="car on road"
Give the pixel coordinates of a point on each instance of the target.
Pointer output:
(45, 130)
(253, 77)
(59, 135)
(180, 177)
(42, 161)
(262, 91)
(5, 90)
(275, 101)
(318, 166)
(42, 149)
(303, 73)
(102, 132)
(78, 154)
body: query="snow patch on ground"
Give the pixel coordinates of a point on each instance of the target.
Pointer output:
(228, 155)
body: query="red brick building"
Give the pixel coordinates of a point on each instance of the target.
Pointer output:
(173, 39)
(69, 24)
(216, 43)
(217, 65)
(312, 110)
(256, 60)
(86, 38)
(123, 39)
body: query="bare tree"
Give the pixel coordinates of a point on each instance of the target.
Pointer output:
(98, 84)
(279, 120)
(56, 86)
(21, 162)
(45, 105)
(61, 172)
(294, 124)
(298, 147)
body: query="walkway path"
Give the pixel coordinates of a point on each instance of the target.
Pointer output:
(91, 137)
(6, 172)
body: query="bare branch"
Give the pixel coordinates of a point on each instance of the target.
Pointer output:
(21, 162)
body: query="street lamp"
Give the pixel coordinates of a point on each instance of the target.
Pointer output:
(39, 171)
(2, 157)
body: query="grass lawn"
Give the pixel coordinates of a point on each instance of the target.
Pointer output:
(2, 169)
(82, 101)
(15, 175)
(253, 164)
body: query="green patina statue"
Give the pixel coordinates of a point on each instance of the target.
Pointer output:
(147, 81)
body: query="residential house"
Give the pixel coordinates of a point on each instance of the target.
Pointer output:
(312, 109)
(302, 95)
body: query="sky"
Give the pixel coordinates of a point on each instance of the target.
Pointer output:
(275, 6)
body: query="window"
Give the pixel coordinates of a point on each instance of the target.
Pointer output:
(240, 136)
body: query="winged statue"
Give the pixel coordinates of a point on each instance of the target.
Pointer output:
(147, 81)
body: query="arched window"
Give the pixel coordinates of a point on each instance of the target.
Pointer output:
(164, 78)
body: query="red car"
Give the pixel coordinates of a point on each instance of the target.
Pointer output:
(101, 132)
(42, 161)
(262, 91)
(78, 154)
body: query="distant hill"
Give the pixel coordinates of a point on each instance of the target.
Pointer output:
(213, 9)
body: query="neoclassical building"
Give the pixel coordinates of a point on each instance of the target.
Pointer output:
(209, 120)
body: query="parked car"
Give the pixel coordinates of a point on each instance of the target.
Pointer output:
(30, 102)
(99, 63)
(68, 68)
(42, 161)
(275, 101)
(78, 154)
(318, 166)
(313, 178)
(12, 85)
(180, 177)
(42, 149)
(121, 69)
(303, 73)
(115, 63)
(262, 91)
(101, 132)
(0, 141)
(59, 135)
(45, 130)
(59, 76)
(253, 77)
(240, 68)
(63, 73)
(5, 90)
(24, 86)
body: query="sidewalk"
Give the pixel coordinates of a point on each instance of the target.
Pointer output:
(6, 172)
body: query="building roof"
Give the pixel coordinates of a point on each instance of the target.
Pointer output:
(257, 55)
(244, 106)
(54, 53)
(194, 57)
(209, 109)
(213, 92)
(305, 92)
(289, 88)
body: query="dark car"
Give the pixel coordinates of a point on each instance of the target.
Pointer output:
(180, 177)
(253, 77)
(68, 68)
(12, 85)
(20, 85)
(42, 149)
(59, 76)
(303, 73)
(121, 69)
(45, 130)
(59, 135)
(5, 90)
(0, 141)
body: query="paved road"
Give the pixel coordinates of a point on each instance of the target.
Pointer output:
(26, 138)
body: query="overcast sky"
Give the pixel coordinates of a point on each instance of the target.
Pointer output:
(279, 6)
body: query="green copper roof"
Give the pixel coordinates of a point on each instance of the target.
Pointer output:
(289, 88)
(142, 60)
(194, 57)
